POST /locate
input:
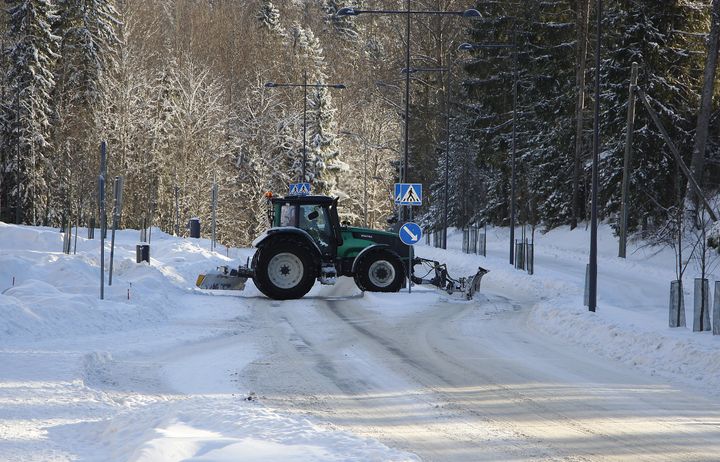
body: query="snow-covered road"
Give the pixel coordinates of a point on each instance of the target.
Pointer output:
(469, 382)
(176, 374)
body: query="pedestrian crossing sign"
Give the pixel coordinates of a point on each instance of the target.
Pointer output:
(408, 193)
(299, 189)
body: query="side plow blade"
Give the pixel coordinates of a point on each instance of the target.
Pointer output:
(224, 278)
(467, 286)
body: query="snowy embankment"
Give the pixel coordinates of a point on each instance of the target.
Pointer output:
(631, 322)
(154, 378)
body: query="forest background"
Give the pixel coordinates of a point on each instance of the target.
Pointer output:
(177, 88)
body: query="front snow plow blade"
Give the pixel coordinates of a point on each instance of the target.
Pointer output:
(224, 278)
(467, 286)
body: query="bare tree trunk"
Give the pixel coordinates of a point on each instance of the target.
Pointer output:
(701, 132)
(583, 17)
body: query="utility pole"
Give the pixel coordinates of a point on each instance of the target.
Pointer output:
(628, 160)
(592, 286)
(101, 206)
(18, 181)
(447, 157)
(304, 157)
(406, 154)
(513, 180)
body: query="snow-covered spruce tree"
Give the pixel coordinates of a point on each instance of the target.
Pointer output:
(662, 39)
(269, 16)
(31, 53)
(6, 150)
(489, 109)
(544, 37)
(88, 47)
(546, 98)
(323, 163)
(323, 151)
(89, 40)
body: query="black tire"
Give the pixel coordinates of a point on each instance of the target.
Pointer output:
(379, 271)
(253, 264)
(285, 268)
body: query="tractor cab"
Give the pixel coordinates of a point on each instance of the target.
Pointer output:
(316, 215)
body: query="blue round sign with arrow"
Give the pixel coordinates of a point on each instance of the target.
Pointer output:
(410, 233)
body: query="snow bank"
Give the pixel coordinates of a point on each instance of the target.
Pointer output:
(218, 430)
(631, 323)
(152, 378)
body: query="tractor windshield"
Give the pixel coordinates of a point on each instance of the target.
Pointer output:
(314, 219)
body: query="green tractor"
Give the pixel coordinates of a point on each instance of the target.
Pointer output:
(306, 242)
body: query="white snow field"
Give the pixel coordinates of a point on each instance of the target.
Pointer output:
(522, 372)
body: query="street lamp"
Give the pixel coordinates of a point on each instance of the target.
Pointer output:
(513, 182)
(351, 11)
(304, 86)
(592, 286)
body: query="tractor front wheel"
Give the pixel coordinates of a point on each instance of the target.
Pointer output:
(379, 271)
(285, 269)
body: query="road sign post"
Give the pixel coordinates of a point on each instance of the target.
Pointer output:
(409, 195)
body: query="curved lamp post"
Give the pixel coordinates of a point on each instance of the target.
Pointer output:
(304, 86)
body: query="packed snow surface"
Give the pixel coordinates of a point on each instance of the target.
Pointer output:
(162, 371)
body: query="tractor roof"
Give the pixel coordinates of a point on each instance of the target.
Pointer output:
(304, 200)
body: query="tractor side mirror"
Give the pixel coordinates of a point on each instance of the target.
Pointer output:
(313, 215)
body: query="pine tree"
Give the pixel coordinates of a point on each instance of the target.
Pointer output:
(489, 107)
(323, 166)
(31, 54)
(259, 159)
(269, 16)
(88, 32)
(88, 47)
(660, 38)
(547, 112)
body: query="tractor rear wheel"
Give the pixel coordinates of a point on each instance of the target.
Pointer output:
(379, 271)
(285, 269)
